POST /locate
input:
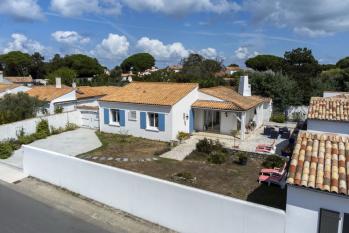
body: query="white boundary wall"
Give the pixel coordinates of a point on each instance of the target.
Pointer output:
(11, 130)
(175, 206)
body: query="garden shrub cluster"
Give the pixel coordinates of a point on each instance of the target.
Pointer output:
(273, 161)
(182, 136)
(214, 149)
(42, 131)
(278, 118)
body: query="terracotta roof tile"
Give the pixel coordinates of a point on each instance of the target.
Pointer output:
(320, 161)
(84, 92)
(5, 87)
(229, 95)
(49, 93)
(223, 105)
(153, 93)
(27, 79)
(329, 108)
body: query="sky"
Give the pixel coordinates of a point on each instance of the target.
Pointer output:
(170, 30)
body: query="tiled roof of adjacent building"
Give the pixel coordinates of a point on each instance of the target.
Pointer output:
(229, 95)
(5, 86)
(329, 108)
(152, 93)
(84, 92)
(320, 161)
(220, 105)
(27, 79)
(49, 93)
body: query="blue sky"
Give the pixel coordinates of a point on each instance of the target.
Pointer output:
(232, 30)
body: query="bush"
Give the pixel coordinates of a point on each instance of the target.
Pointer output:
(5, 150)
(42, 130)
(71, 126)
(217, 157)
(58, 109)
(26, 139)
(182, 136)
(56, 130)
(273, 161)
(278, 118)
(15, 144)
(208, 146)
(242, 157)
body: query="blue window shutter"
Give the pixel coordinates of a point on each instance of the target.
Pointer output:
(143, 120)
(122, 117)
(161, 122)
(106, 116)
(191, 121)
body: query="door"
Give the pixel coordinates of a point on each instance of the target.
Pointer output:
(90, 119)
(212, 121)
(329, 221)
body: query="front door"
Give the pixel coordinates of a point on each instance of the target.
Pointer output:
(212, 121)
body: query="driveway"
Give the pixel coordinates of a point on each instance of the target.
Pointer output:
(69, 143)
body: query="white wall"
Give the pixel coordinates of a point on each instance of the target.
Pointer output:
(15, 90)
(228, 123)
(328, 126)
(303, 208)
(267, 111)
(88, 102)
(67, 101)
(133, 127)
(175, 206)
(58, 120)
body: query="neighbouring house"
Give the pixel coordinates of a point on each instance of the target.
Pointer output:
(24, 81)
(57, 98)
(230, 70)
(8, 88)
(87, 103)
(329, 114)
(127, 77)
(318, 184)
(148, 71)
(161, 110)
(175, 68)
(334, 93)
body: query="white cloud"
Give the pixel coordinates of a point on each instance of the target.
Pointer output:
(309, 18)
(209, 53)
(20, 42)
(243, 53)
(69, 37)
(172, 7)
(21, 9)
(161, 51)
(112, 47)
(79, 7)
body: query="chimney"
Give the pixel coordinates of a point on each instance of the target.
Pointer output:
(73, 85)
(244, 86)
(58, 82)
(1, 77)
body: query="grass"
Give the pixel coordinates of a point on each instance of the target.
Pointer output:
(126, 146)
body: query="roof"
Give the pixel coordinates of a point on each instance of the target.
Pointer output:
(320, 161)
(229, 95)
(210, 104)
(329, 108)
(152, 93)
(27, 79)
(5, 86)
(49, 93)
(84, 92)
(232, 68)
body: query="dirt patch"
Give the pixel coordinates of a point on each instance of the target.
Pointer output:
(125, 146)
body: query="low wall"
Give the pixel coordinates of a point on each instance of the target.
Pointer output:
(175, 206)
(11, 130)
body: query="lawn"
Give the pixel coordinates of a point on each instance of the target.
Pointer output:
(125, 146)
(228, 178)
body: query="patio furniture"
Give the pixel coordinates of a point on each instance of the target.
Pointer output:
(268, 130)
(274, 170)
(273, 176)
(286, 134)
(274, 134)
(266, 148)
(278, 179)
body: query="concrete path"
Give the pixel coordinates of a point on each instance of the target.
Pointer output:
(182, 150)
(70, 143)
(11, 174)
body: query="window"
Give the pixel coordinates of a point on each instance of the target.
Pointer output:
(329, 221)
(153, 120)
(132, 115)
(115, 116)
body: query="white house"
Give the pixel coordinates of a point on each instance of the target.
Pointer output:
(161, 110)
(56, 97)
(24, 81)
(318, 184)
(329, 114)
(87, 103)
(6, 88)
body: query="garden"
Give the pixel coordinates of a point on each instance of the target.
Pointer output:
(210, 167)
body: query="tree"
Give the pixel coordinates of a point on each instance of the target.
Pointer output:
(66, 74)
(197, 66)
(300, 63)
(83, 65)
(265, 62)
(37, 67)
(55, 63)
(16, 63)
(17, 107)
(343, 63)
(116, 72)
(138, 62)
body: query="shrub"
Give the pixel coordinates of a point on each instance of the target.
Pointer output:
(208, 146)
(58, 109)
(278, 118)
(56, 130)
(242, 157)
(26, 139)
(184, 177)
(15, 144)
(5, 150)
(217, 157)
(273, 161)
(42, 130)
(182, 136)
(70, 126)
